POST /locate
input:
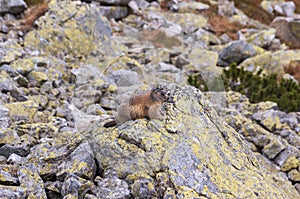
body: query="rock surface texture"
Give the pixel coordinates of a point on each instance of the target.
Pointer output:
(191, 153)
(66, 66)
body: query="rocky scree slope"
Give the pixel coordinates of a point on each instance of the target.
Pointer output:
(62, 79)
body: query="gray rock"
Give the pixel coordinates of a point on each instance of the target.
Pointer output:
(10, 50)
(29, 178)
(163, 67)
(175, 145)
(189, 22)
(286, 31)
(12, 6)
(134, 7)
(7, 179)
(8, 85)
(191, 6)
(13, 192)
(74, 20)
(3, 159)
(9, 70)
(90, 196)
(22, 110)
(285, 8)
(75, 186)
(142, 4)
(4, 117)
(237, 52)
(15, 159)
(293, 139)
(58, 147)
(270, 119)
(262, 38)
(226, 8)
(95, 109)
(272, 149)
(284, 155)
(114, 12)
(143, 188)
(112, 188)
(125, 78)
(4, 28)
(292, 119)
(82, 163)
(294, 175)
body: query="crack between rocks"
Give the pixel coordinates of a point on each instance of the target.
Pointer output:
(132, 141)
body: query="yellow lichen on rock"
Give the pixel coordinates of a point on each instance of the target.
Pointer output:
(25, 110)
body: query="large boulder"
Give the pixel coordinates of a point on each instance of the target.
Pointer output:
(69, 29)
(190, 154)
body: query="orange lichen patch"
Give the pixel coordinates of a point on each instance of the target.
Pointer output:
(294, 69)
(252, 9)
(297, 3)
(31, 15)
(160, 39)
(35, 12)
(221, 25)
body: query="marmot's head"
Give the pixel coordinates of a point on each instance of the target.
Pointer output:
(159, 94)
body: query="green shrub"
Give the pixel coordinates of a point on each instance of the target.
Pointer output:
(258, 87)
(33, 2)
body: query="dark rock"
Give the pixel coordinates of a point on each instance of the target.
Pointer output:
(287, 30)
(7, 179)
(53, 189)
(236, 52)
(12, 6)
(113, 2)
(8, 85)
(8, 149)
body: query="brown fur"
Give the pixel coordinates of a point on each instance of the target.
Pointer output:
(147, 105)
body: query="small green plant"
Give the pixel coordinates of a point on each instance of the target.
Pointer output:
(197, 81)
(33, 2)
(258, 87)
